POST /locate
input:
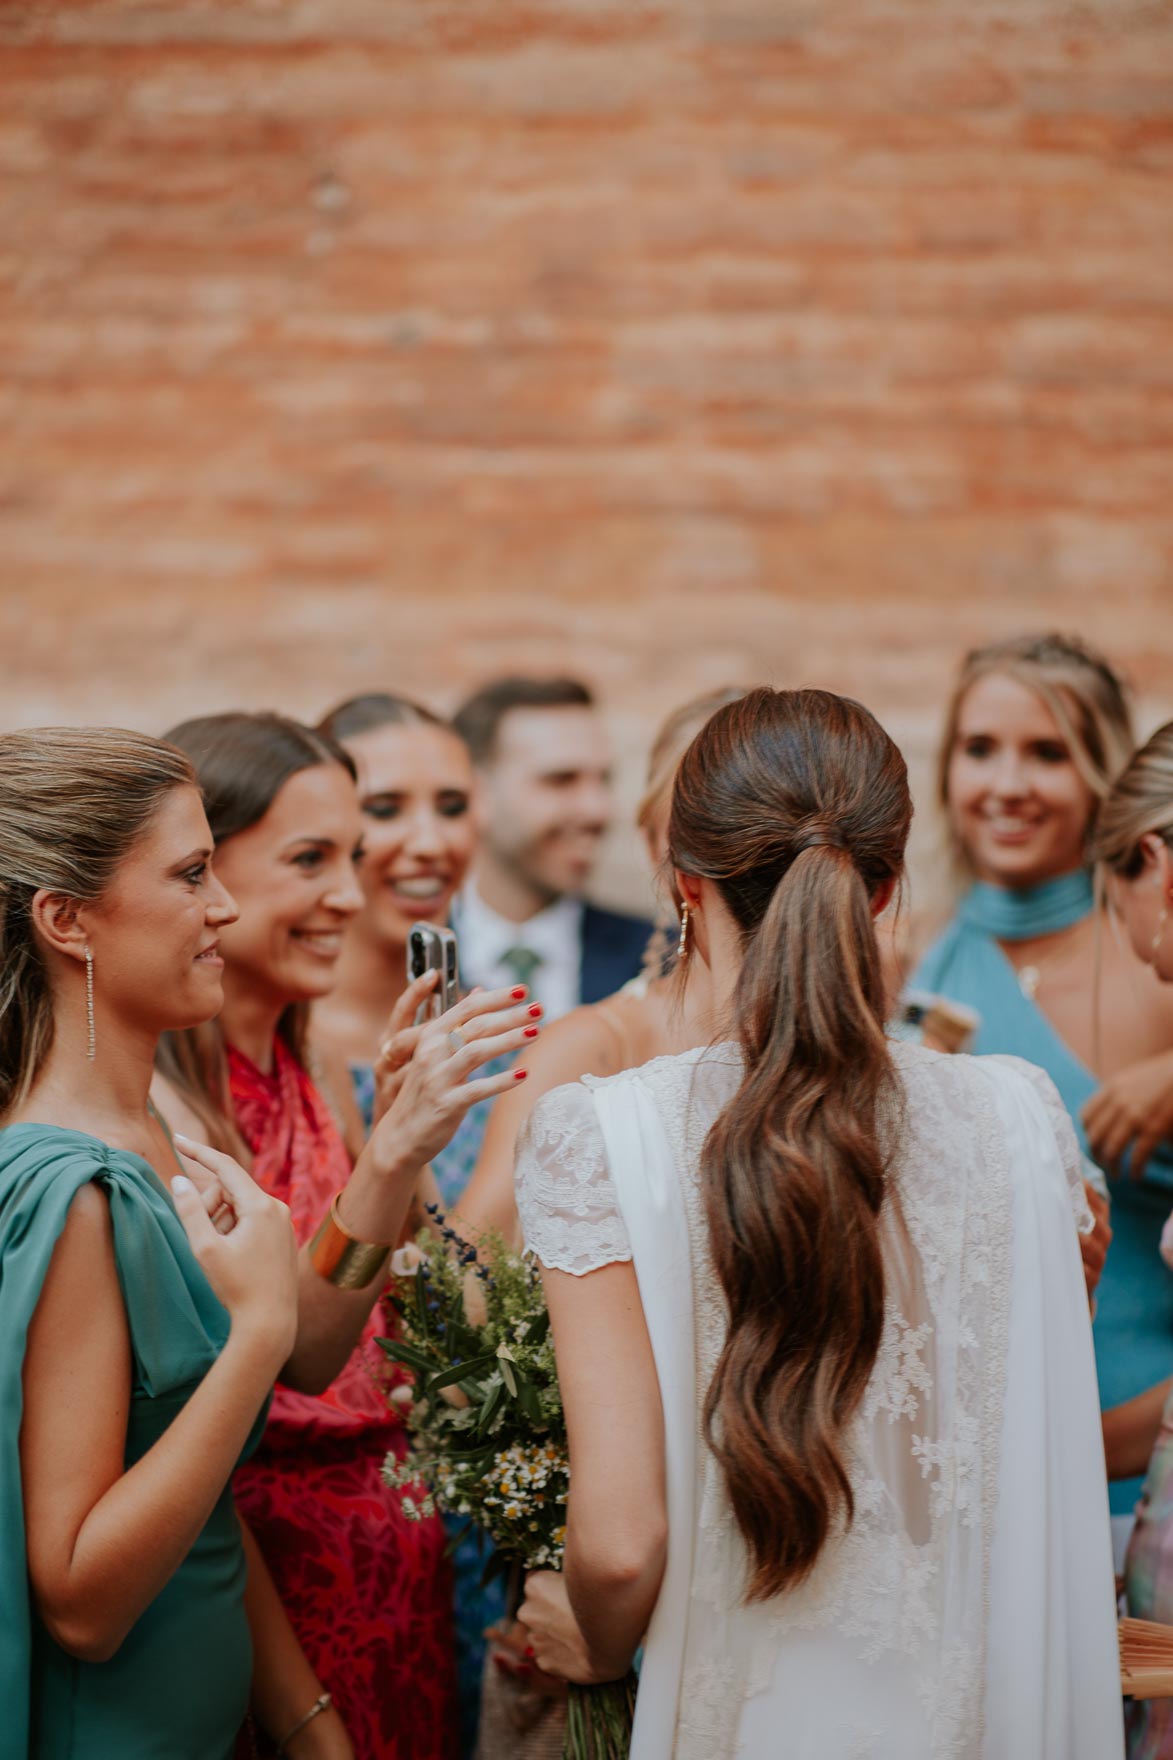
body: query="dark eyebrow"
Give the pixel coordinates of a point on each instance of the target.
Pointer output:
(310, 843)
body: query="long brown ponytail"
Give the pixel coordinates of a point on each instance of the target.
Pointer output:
(796, 805)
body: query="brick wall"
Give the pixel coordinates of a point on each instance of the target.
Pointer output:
(353, 342)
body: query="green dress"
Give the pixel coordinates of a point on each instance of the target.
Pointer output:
(178, 1685)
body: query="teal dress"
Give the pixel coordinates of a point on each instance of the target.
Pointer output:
(1133, 1330)
(179, 1682)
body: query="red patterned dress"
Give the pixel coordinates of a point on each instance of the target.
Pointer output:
(369, 1593)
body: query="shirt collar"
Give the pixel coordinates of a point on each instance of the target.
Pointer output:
(547, 933)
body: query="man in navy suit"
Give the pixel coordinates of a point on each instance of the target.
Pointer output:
(543, 763)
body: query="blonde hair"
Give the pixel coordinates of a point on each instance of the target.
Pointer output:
(74, 801)
(1139, 803)
(1077, 685)
(669, 746)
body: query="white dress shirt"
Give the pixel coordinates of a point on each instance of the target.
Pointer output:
(554, 934)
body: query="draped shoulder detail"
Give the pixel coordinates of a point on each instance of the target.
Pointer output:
(177, 1328)
(566, 1195)
(1063, 1131)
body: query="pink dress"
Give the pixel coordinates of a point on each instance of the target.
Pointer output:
(369, 1593)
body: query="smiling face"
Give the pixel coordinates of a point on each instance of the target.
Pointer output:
(415, 790)
(293, 877)
(1017, 802)
(157, 930)
(545, 803)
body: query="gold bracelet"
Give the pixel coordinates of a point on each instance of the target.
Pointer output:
(341, 1257)
(322, 1703)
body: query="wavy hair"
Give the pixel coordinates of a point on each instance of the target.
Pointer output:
(795, 804)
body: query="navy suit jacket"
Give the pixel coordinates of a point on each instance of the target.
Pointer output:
(612, 951)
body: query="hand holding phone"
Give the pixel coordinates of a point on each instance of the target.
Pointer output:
(432, 949)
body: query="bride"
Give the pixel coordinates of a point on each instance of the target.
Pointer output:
(820, 1322)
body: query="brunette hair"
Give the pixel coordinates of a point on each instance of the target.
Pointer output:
(74, 802)
(241, 762)
(478, 720)
(363, 714)
(1139, 803)
(1086, 697)
(795, 804)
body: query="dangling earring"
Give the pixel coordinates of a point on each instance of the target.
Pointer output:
(682, 944)
(1160, 935)
(91, 1037)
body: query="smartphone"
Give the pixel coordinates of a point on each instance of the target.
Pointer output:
(936, 1020)
(433, 950)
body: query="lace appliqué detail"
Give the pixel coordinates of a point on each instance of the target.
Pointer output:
(1068, 1143)
(931, 1418)
(566, 1197)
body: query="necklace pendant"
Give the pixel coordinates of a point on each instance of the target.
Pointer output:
(1028, 981)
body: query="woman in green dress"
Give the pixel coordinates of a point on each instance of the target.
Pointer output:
(140, 1343)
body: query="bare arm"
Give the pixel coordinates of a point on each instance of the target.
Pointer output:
(437, 1089)
(102, 1542)
(617, 1515)
(284, 1684)
(582, 1042)
(1130, 1431)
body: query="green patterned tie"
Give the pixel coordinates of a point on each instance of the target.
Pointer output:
(521, 963)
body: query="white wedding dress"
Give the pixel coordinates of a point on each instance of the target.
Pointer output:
(968, 1612)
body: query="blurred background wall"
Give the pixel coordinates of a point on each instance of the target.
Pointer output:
(359, 343)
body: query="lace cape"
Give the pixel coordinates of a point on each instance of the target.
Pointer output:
(883, 1651)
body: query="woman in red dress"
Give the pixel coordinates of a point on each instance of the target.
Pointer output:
(367, 1592)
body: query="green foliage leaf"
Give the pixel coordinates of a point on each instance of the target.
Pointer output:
(462, 1372)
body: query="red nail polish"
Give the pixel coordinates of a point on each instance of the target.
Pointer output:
(531, 1032)
(535, 1009)
(519, 994)
(519, 1075)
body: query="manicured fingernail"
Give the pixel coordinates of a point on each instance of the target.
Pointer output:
(534, 1009)
(519, 1075)
(532, 1032)
(519, 994)
(181, 1183)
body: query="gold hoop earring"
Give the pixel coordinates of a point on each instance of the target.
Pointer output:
(91, 1036)
(682, 944)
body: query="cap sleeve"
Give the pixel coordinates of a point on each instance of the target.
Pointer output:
(566, 1196)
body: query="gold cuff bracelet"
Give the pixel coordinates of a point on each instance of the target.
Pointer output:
(340, 1257)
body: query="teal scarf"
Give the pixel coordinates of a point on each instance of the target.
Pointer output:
(967, 965)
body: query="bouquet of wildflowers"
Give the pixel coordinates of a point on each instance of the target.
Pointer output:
(488, 1432)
